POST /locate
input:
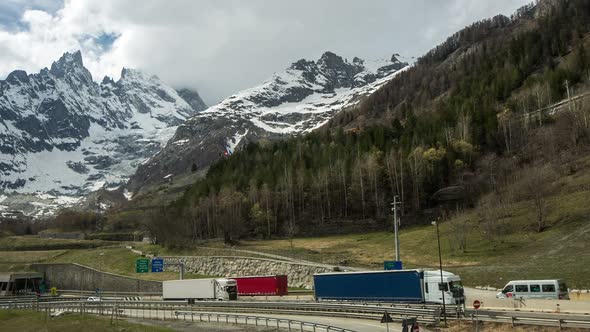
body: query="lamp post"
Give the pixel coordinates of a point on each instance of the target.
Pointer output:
(396, 226)
(442, 284)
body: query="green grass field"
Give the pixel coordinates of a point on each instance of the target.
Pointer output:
(30, 321)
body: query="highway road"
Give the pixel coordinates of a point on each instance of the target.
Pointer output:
(488, 299)
(360, 325)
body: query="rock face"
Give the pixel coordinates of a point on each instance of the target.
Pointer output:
(298, 274)
(297, 100)
(63, 135)
(193, 99)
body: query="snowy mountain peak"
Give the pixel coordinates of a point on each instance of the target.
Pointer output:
(296, 100)
(63, 133)
(18, 77)
(330, 60)
(67, 63)
(107, 80)
(129, 74)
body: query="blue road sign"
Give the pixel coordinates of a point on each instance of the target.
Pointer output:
(157, 264)
(392, 265)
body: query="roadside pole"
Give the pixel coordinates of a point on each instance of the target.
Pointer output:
(396, 227)
(476, 305)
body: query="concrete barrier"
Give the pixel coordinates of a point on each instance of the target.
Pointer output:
(80, 277)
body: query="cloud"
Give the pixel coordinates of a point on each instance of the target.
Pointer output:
(220, 47)
(11, 10)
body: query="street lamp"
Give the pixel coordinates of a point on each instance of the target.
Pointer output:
(395, 226)
(442, 284)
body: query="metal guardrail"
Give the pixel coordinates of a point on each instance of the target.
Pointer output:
(166, 311)
(425, 314)
(290, 323)
(531, 318)
(108, 293)
(4, 300)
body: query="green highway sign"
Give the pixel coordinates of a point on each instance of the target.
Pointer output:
(142, 265)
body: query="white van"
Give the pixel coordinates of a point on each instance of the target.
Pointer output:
(535, 289)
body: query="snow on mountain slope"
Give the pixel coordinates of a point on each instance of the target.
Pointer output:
(63, 134)
(297, 100)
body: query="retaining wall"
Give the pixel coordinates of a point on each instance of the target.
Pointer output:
(299, 274)
(79, 277)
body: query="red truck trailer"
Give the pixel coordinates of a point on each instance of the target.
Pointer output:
(262, 285)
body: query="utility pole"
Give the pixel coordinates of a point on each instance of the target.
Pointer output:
(442, 283)
(569, 99)
(180, 268)
(396, 226)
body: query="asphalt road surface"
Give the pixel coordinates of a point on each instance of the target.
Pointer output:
(360, 325)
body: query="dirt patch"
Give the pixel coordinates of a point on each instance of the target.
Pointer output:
(184, 326)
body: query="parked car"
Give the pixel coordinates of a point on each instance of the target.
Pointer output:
(535, 289)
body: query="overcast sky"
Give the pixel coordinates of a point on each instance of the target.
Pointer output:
(221, 47)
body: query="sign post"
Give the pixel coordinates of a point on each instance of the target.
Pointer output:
(142, 265)
(476, 305)
(386, 319)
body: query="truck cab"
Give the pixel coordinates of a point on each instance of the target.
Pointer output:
(226, 289)
(451, 286)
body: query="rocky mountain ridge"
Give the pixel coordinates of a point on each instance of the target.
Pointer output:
(62, 135)
(297, 100)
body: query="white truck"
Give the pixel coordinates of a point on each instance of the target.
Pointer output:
(221, 289)
(406, 286)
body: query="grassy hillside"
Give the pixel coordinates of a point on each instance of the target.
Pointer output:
(114, 260)
(16, 255)
(32, 242)
(441, 123)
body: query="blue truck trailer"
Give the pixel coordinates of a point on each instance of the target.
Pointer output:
(408, 286)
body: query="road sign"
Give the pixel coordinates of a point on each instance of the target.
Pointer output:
(386, 318)
(142, 265)
(476, 304)
(157, 264)
(392, 265)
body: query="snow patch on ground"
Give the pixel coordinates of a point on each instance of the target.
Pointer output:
(96, 186)
(181, 142)
(128, 195)
(232, 143)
